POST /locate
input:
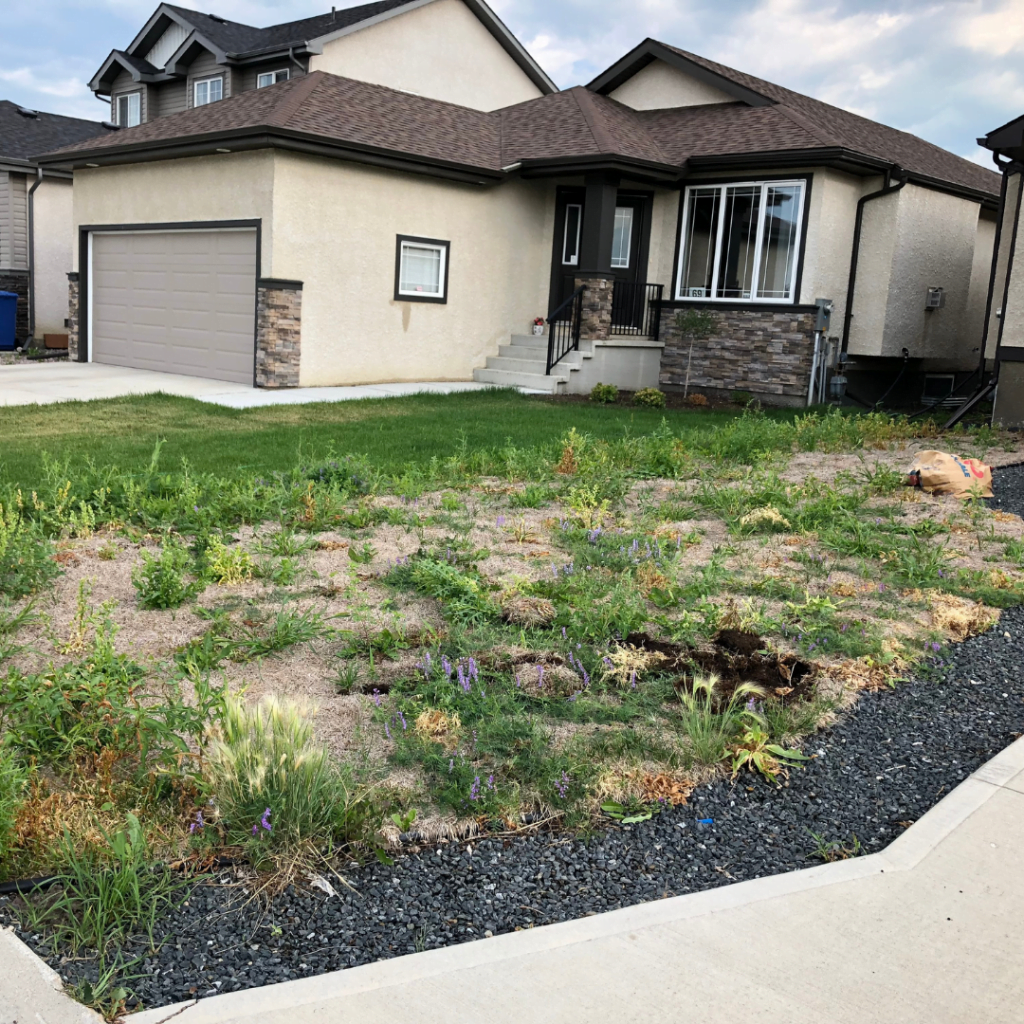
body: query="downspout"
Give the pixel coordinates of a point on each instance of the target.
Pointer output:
(995, 255)
(886, 190)
(32, 256)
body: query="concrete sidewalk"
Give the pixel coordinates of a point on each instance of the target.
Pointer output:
(46, 383)
(926, 932)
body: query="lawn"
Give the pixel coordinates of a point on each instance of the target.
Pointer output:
(341, 630)
(392, 433)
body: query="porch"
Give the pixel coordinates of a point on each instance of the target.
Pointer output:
(604, 317)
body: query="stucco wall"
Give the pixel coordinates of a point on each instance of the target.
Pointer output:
(1013, 185)
(439, 50)
(658, 85)
(664, 226)
(973, 322)
(229, 186)
(1013, 306)
(830, 223)
(52, 213)
(353, 330)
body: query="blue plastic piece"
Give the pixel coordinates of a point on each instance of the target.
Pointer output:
(8, 317)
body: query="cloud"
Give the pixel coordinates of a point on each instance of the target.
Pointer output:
(27, 78)
(998, 32)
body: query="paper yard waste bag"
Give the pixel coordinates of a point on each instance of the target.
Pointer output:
(942, 473)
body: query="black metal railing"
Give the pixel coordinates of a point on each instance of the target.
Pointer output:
(636, 309)
(564, 328)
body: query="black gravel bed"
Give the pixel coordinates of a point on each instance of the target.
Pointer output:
(886, 762)
(1008, 487)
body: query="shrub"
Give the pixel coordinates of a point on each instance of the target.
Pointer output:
(274, 786)
(161, 580)
(697, 399)
(604, 393)
(651, 398)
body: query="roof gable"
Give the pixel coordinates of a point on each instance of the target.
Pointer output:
(26, 135)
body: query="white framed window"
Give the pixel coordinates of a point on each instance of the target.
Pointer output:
(265, 78)
(622, 236)
(128, 110)
(421, 269)
(741, 242)
(571, 238)
(207, 90)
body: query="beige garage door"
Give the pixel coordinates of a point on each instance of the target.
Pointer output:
(176, 301)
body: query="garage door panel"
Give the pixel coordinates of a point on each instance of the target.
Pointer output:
(179, 302)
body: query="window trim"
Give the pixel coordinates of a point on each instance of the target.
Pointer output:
(196, 82)
(274, 79)
(629, 239)
(805, 181)
(444, 246)
(137, 93)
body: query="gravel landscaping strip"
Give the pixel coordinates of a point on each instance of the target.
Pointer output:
(888, 760)
(1008, 487)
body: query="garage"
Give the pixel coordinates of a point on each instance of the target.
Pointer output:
(174, 301)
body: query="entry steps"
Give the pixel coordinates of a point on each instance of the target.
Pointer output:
(522, 365)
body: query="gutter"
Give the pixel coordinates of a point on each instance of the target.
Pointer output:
(32, 255)
(886, 190)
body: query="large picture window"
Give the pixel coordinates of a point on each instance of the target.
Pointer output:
(421, 270)
(741, 242)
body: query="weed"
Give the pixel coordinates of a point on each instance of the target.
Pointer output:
(710, 725)
(833, 850)
(228, 566)
(26, 556)
(12, 787)
(347, 677)
(631, 812)
(108, 552)
(287, 628)
(274, 786)
(755, 751)
(531, 496)
(161, 580)
(364, 554)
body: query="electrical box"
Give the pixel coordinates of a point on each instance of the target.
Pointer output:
(935, 299)
(824, 317)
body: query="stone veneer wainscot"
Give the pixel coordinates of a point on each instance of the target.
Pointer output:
(73, 316)
(764, 351)
(278, 333)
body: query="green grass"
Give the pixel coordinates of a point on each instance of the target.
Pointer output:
(237, 443)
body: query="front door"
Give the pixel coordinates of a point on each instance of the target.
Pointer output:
(565, 258)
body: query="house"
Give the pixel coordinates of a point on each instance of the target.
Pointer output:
(407, 214)
(1003, 338)
(35, 216)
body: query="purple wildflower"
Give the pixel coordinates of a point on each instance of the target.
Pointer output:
(540, 675)
(562, 785)
(376, 696)
(474, 790)
(198, 825)
(265, 820)
(446, 666)
(387, 731)
(501, 520)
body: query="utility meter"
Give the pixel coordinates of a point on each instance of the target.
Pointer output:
(824, 317)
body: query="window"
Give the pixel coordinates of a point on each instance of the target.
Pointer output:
(128, 111)
(265, 78)
(740, 242)
(571, 241)
(421, 270)
(622, 236)
(207, 90)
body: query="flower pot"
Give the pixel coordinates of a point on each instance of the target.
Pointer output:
(538, 329)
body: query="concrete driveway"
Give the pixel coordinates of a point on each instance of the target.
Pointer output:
(45, 383)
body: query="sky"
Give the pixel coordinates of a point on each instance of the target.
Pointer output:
(946, 71)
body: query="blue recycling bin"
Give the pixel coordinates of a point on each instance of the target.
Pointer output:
(8, 317)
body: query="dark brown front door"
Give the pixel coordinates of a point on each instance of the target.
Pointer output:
(630, 245)
(565, 257)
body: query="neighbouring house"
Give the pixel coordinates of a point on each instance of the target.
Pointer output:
(406, 213)
(1004, 322)
(35, 216)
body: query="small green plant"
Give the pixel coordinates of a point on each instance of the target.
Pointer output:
(712, 724)
(403, 820)
(650, 398)
(833, 850)
(26, 555)
(228, 566)
(347, 677)
(755, 752)
(450, 502)
(364, 554)
(109, 551)
(604, 393)
(12, 788)
(161, 581)
(287, 628)
(531, 496)
(107, 893)
(274, 786)
(631, 812)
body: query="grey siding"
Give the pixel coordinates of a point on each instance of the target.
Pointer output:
(13, 221)
(123, 84)
(206, 66)
(169, 98)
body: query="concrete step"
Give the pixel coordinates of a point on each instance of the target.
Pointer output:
(517, 365)
(514, 379)
(531, 340)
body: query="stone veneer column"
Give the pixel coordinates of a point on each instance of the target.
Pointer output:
(765, 352)
(278, 333)
(73, 316)
(597, 307)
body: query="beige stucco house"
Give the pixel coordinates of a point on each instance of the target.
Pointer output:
(408, 205)
(36, 233)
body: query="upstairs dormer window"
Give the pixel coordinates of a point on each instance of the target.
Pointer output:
(207, 90)
(265, 78)
(128, 110)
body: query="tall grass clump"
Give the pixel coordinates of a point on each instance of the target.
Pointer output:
(274, 786)
(12, 788)
(710, 723)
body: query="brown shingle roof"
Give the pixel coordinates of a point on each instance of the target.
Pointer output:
(833, 126)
